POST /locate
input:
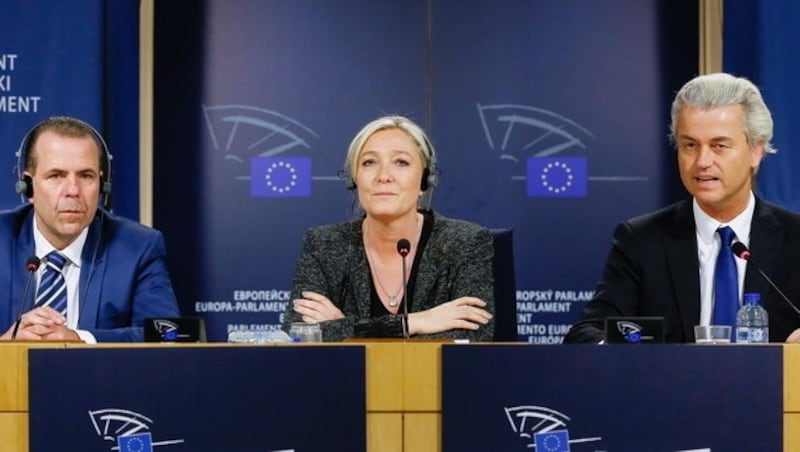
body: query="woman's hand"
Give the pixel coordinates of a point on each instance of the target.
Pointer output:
(465, 313)
(315, 308)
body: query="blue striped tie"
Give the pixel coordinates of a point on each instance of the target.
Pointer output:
(53, 287)
(726, 281)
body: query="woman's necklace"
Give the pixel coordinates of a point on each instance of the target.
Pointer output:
(393, 298)
(393, 302)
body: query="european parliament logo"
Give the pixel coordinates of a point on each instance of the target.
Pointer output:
(280, 177)
(167, 329)
(548, 150)
(545, 428)
(632, 332)
(254, 142)
(557, 177)
(129, 430)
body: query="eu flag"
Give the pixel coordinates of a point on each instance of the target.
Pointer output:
(280, 177)
(139, 442)
(553, 441)
(557, 177)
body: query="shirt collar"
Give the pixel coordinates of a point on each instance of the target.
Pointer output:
(72, 251)
(707, 226)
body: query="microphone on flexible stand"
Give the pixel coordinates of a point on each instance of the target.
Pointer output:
(741, 251)
(32, 264)
(403, 248)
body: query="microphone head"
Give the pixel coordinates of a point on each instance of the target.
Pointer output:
(32, 264)
(403, 247)
(740, 250)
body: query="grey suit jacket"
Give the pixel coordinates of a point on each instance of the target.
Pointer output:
(456, 262)
(653, 270)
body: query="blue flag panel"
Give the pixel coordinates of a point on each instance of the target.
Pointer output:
(276, 177)
(555, 441)
(137, 442)
(557, 177)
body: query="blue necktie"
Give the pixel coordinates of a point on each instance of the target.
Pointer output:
(726, 281)
(53, 287)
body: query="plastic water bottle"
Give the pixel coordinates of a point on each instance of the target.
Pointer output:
(752, 322)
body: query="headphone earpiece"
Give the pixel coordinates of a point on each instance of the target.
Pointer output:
(429, 179)
(24, 184)
(349, 181)
(430, 175)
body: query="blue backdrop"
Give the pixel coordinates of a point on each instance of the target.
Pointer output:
(76, 58)
(508, 91)
(502, 88)
(761, 44)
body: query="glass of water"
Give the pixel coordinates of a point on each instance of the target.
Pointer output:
(712, 334)
(305, 332)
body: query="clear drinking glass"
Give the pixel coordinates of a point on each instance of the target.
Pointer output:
(712, 334)
(305, 332)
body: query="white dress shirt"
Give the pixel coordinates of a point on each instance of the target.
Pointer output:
(708, 246)
(71, 272)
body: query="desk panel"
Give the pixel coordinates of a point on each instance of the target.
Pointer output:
(223, 398)
(400, 419)
(654, 397)
(404, 396)
(791, 371)
(14, 375)
(14, 431)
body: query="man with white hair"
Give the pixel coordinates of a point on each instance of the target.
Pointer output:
(666, 263)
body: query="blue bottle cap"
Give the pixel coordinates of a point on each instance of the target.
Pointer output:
(752, 298)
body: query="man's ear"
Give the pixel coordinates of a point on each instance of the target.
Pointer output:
(756, 155)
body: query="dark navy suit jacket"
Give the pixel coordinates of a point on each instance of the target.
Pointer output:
(123, 276)
(653, 270)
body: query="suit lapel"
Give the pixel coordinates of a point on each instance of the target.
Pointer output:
(359, 272)
(93, 267)
(766, 237)
(429, 271)
(680, 243)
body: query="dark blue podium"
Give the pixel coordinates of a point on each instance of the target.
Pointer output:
(223, 398)
(612, 398)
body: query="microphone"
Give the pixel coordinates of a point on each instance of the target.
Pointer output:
(403, 248)
(742, 252)
(31, 265)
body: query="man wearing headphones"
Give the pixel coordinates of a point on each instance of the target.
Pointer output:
(91, 276)
(399, 270)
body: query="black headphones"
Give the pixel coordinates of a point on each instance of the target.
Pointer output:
(24, 185)
(430, 175)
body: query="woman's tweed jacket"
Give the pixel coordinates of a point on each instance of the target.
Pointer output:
(456, 262)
